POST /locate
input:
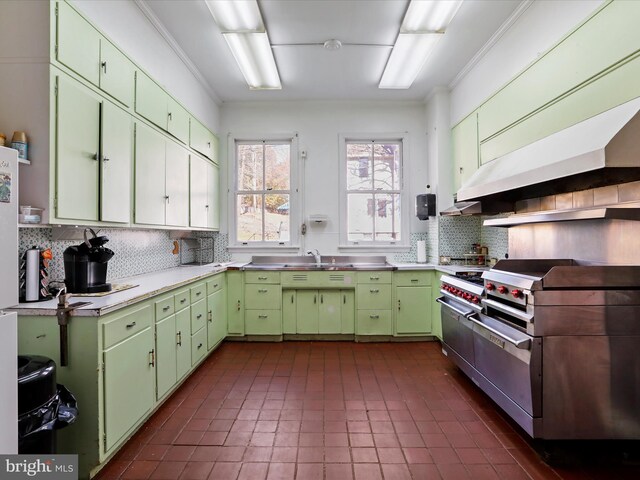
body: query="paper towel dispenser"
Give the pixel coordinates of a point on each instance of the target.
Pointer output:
(426, 206)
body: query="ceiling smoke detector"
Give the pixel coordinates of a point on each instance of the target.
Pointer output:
(332, 44)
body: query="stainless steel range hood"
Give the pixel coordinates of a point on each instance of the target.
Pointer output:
(463, 208)
(602, 150)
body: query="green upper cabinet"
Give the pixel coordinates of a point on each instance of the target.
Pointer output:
(77, 151)
(78, 44)
(149, 176)
(203, 141)
(117, 161)
(177, 185)
(213, 205)
(154, 104)
(464, 142)
(117, 73)
(204, 191)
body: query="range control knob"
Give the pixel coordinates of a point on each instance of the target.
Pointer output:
(490, 286)
(516, 293)
(502, 289)
(475, 299)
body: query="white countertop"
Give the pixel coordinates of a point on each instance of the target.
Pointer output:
(148, 285)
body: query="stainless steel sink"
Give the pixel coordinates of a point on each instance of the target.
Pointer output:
(308, 263)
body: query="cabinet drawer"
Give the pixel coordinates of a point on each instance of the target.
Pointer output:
(373, 277)
(374, 322)
(376, 297)
(263, 297)
(198, 292)
(413, 279)
(198, 346)
(182, 300)
(262, 277)
(164, 308)
(215, 284)
(263, 322)
(126, 324)
(198, 315)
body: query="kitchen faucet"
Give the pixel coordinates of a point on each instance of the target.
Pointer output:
(316, 255)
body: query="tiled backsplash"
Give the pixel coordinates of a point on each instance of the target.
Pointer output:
(136, 251)
(457, 234)
(412, 255)
(495, 238)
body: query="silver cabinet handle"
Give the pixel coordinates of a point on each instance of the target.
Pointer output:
(414, 280)
(104, 66)
(507, 309)
(263, 316)
(523, 344)
(152, 358)
(374, 316)
(179, 340)
(263, 290)
(374, 278)
(398, 305)
(262, 278)
(374, 290)
(210, 316)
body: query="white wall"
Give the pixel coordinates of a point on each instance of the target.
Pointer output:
(319, 125)
(542, 25)
(125, 24)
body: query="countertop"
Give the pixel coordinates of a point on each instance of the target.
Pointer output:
(156, 283)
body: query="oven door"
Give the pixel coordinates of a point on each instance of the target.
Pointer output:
(457, 330)
(511, 360)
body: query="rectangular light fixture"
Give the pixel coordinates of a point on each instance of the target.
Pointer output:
(423, 25)
(242, 27)
(409, 54)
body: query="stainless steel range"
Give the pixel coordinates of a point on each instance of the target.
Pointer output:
(555, 343)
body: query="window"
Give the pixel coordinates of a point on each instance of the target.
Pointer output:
(263, 200)
(372, 198)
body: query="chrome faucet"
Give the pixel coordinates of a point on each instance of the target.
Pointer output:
(316, 255)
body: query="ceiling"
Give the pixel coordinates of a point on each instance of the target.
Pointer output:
(310, 72)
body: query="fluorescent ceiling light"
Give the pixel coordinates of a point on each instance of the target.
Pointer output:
(423, 25)
(429, 15)
(236, 15)
(253, 54)
(242, 27)
(407, 58)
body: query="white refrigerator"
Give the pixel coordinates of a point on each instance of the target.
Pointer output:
(8, 298)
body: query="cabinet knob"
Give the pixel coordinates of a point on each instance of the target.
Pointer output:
(183, 300)
(263, 316)
(165, 309)
(374, 290)
(130, 325)
(104, 66)
(106, 159)
(374, 317)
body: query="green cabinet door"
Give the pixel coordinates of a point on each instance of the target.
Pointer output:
(330, 312)
(128, 384)
(413, 310)
(166, 373)
(117, 73)
(183, 342)
(348, 311)
(78, 43)
(464, 142)
(307, 311)
(177, 120)
(77, 150)
(151, 100)
(177, 185)
(217, 318)
(213, 204)
(235, 302)
(117, 160)
(199, 138)
(149, 177)
(289, 311)
(198, 192)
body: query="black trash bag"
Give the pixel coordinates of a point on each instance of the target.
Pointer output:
(61, 410)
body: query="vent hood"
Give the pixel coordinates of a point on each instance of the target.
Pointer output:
(463, 208)
(602, 150)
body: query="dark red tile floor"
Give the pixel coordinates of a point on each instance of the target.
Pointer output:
(329, 410)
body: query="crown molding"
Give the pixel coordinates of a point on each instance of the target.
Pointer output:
(508, 23)
(157, 24)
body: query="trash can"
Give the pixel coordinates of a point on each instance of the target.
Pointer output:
(43, 405)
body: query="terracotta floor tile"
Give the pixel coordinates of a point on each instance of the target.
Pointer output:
(311, 440)
(395, 472)
(238, 439)
(286, 439)
(220, 425)
(310, 471)
(338, 471)
(336, 439)
(253, 471)
(179, 453)
(197, 471)
(168, 470)
(213, 438)
(139, 469)
(113, 469)
(228, 454)
(258, 454)
(189, 438)
(497, 456)
(385, 440)
(337, 455)
(364, 455)
(443, 455)
(310, 455)
(284, 454)
(152, 452)
(453, 471)
(260, 439)
(417, 455)
(422, 471)
(361, 440)
(390, 455)
(199, 454)
(281, 471)
(244, 426)
(224, 471)
(367, 471)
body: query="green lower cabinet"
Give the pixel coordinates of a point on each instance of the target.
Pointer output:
(374, 322)
(263, 322)
(289, 311)
(263, 297)
(330, 312)
(183, 343)
(413, 310)
(235, 303)
(198, 315)
(166, 356)
(129, 370)
(216, 318)
(307, 312)
(198, 345)
(348, 311)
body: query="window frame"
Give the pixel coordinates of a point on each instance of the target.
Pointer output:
(294, 192)
(375, 245)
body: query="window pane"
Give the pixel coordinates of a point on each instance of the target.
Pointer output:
(276, 218)
(360, 211)
(250, 167)
(359, 164)
(277, 166)
(386, 162)
(249, 218)
(387, 217)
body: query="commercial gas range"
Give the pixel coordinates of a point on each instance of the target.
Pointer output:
(555, 343)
